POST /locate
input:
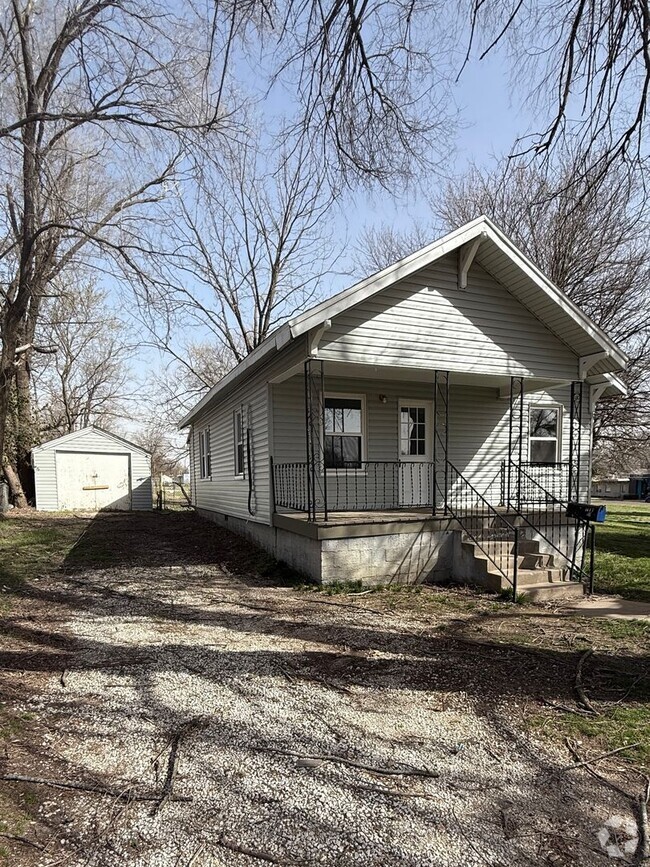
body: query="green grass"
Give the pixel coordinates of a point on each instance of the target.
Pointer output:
(623, 551)
(29, 547)
(616, 728)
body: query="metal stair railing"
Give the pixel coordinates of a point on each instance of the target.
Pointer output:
(545, 514)
(478, 517)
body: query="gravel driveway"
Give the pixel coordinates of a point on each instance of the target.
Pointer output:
(272, 725)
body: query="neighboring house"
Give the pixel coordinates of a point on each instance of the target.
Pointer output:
(611, 489)
(430, 422)
(91, 469)
(640, 484)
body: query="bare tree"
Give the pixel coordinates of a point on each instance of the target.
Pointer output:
(373, 82)
(87, 380)
(587, 64)
(98, 97)
(381, 246)
(251, 248)
(190, 371)
(593, 241)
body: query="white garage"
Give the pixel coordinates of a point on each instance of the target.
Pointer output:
(91, 470)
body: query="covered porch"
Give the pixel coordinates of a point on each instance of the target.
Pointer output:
(409, 473)
(385, 439)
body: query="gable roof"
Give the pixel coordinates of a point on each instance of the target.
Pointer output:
(76, 434)
(499, 256)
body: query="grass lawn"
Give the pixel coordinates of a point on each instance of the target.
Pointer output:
(31, 544)
(623, 551)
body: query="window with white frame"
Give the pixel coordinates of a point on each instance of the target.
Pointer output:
(205, 455)
(238, 427)
(344, 433)
(544, 426)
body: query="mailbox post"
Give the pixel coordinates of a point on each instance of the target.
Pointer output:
(589, 515)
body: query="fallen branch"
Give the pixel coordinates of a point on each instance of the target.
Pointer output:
(254, 853)
(172, 762)
(384, 772)
(594, 773)
(95, 788)
(563, 707)
(584, 762)
(579, 688)
(644, 832)
(381, 790)
(18, 839)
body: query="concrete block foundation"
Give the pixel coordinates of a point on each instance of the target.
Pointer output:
(390, 553)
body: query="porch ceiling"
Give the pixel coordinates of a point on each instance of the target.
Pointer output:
(414, 374)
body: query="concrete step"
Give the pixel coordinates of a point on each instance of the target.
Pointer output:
(530, 577)
(551, 592)
(526, 546)
(536, 561)
(489, 557)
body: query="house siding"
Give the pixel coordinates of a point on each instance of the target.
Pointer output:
(478, 424)
(225, 492)
(426, 321)
(44, 462)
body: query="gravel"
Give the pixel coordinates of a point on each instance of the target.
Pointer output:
(258, 680)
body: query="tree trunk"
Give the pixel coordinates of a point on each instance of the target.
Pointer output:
(17, 493)
(24, 430)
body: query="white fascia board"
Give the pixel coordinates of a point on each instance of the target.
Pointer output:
(385, 278)
(612, 383)
(426, 256)
(276, 340)
(560, 298)
(68, 438)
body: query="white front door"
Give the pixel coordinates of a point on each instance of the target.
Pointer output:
(93, 481)
(415, 447)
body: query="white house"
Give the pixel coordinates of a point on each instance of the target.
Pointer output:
(431, 421)
(91, 469)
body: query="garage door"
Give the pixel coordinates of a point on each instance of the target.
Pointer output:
(92, 481)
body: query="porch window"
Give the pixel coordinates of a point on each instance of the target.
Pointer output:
(238, 426)
(205, 455)
(544, 435)
(343, 432)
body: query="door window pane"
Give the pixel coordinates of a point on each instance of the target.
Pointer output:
(413, 431)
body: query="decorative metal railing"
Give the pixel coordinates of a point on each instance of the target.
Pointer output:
(491, 531)
(357, 487)
(528, 509)
(290, 490)
(536, 484)
(545, 515)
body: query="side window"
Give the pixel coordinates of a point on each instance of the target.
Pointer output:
(544, 435)
(205, 456)
(343, 432)
(238, 427)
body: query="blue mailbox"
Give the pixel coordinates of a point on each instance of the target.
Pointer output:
(587, 512)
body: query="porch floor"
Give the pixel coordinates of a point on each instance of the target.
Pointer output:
(380, 522)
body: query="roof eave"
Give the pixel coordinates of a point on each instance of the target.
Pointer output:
(407, 266)
(275, 341)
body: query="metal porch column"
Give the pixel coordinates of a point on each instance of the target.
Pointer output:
(440, 439)
(315, 436)
(575, 440)
(515, 439)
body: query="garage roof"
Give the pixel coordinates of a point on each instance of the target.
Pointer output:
(71, 437)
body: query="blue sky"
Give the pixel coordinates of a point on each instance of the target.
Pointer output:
(491, 119)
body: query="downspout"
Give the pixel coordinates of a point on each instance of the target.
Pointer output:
(249, 463)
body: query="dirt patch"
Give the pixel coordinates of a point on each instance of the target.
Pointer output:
(224, 720)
